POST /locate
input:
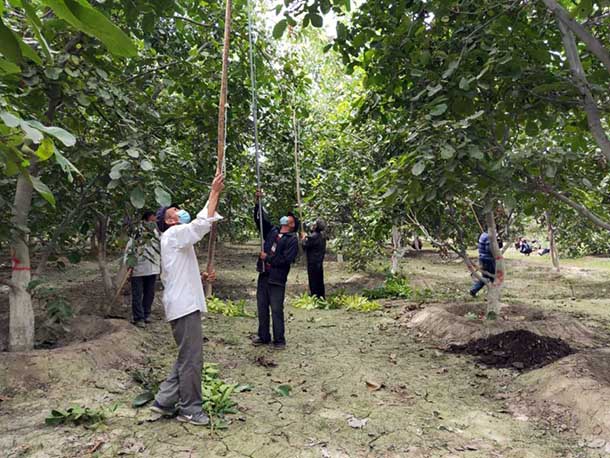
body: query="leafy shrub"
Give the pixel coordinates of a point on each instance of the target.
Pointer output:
(228, 308)
(81, 415)
(59, 310)
(335, 301)
(395, 287)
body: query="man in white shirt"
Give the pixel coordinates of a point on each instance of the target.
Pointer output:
(184, 302)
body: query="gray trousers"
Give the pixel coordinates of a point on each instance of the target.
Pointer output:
(182, 388)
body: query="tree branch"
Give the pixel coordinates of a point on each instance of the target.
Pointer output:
(188, 19)
(581, 209)
(580, 79)
(594, 45)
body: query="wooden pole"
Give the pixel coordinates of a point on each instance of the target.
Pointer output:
(297, 167)
(221, 133)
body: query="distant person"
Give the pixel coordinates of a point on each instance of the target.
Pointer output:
(526, 248)
(416, 244)
(281, 247)
(543, 251)
(314, 245)
(184, 302)
(142, 254)
(487, 263)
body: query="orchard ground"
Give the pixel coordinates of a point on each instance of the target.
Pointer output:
(363, 385)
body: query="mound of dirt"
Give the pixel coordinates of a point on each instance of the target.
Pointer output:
(575, 389)
(118, 349)
(458, 324)
(80, 329)
(517, 349)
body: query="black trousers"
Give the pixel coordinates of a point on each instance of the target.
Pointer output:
(142, 296)
(315, 272)
(270, 296)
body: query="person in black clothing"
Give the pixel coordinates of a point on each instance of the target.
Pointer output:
(315, 248)
(280, 250)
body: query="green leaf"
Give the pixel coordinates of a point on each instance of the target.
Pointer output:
(283, 390)
(133, 152)
(37, 28)
(146, 165)
(279, 29)
(142, 399)
(418, 168)
(453, 65)
(60, 134)
(9, 119)
(28, 52)
(84, 17)
(46, 149)
(66, 165)
(475, 152)
(9, 45)
(439, 109)
(447, 151)
(53, 73)
(43, 190)
(8, 68)
(83, 100)
(162, 197)
(137, 198)
(31, 132)
(464, 84)
(316, 20)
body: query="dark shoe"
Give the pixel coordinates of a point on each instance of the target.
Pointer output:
(279, 345)
(147, 320)
(257, 342)
(199, 419)
(472, 293)
(140, 324)
(165, 411)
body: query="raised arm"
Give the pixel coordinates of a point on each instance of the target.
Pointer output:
(191, 233)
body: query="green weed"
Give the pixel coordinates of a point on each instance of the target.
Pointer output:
(81, 415)
(228, 307)
(335, 301)
(395, 287)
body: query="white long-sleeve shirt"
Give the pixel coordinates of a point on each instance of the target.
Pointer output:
(183, 293)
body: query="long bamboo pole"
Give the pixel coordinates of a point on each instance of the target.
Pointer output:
(221, 134)
(297, 168)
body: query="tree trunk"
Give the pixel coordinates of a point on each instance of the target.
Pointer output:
(494, 289)
(21, 320)
(101, 228)
(552, 246)
(396, 249)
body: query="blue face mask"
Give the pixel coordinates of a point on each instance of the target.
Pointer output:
(184, 217)
(284, 221)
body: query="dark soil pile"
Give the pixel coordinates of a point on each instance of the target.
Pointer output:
(519, 349)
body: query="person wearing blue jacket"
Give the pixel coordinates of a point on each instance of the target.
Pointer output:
(280, 250)
(487, 263)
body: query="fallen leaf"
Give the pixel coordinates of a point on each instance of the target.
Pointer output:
(265, 362)
(95, 447)
(373, 386)
(357, 423)
(283, 390)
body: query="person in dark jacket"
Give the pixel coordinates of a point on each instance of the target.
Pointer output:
(281, 247)
(315, 248)
(487, 263)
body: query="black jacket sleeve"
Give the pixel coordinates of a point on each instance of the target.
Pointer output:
(287, 255)
(267, 226)
(312, 241)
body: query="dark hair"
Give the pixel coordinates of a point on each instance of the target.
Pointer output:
(147, 214)
(297, 223)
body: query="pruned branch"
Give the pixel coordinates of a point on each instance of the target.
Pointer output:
(580, 80)
(594, 45)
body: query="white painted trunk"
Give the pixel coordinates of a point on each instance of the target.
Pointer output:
(552, 246)
(396, 248)
(101, 229)
(494, 290)
(21, 318)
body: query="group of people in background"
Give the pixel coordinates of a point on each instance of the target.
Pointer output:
(526, 248)
(163, 244)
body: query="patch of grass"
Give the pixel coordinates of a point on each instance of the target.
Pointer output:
(394, 287)
(228, 308)
(307, 302)
(81, 415)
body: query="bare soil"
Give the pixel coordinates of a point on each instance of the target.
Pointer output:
(515, 349)
(364, 385)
